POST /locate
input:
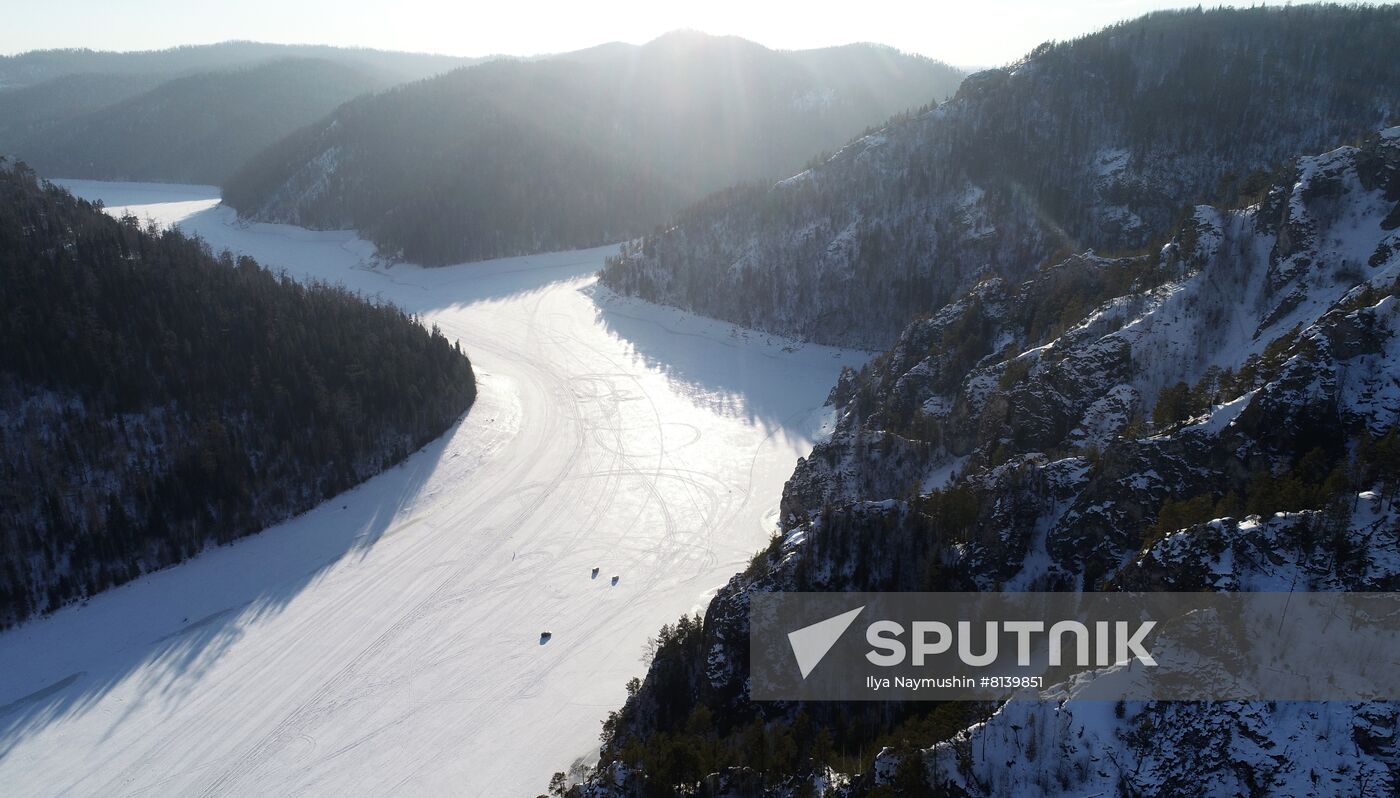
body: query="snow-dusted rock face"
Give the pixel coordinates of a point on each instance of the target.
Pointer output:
(1275, 313)
(1064, 747)
(1095, 143)
(1218, 414)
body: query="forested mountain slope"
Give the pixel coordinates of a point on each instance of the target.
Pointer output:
(1101, 142)
(196, 129)
(574, 150)
(156, 398)
(29, 111)
(1220, 413)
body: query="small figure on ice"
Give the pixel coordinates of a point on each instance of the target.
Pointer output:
(544, 637)
(595, 573)
(614, 580)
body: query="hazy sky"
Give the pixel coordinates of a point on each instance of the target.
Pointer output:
(971, 32)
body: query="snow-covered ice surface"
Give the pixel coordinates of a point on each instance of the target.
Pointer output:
(389, 640)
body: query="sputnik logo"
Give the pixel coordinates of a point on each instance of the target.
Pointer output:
(811, 643)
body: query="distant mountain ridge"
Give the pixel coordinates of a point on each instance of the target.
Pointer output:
(37, 66)
(187, 114)
(520, 156)
(1099, 143)
(199, 128)
(31, 111)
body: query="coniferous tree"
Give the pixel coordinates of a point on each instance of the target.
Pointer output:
(155, 397)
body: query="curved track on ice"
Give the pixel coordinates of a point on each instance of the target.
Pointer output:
(390, 639)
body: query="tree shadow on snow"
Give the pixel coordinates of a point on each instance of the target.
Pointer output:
(749, 376)
(168, 627)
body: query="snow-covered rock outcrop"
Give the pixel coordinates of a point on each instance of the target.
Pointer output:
(1218, 414)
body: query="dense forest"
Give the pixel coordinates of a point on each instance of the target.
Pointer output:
(197, 129)
(156, 398)
(1100, 142)
(574, 150)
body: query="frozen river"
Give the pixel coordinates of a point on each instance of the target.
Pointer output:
(389, 640)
